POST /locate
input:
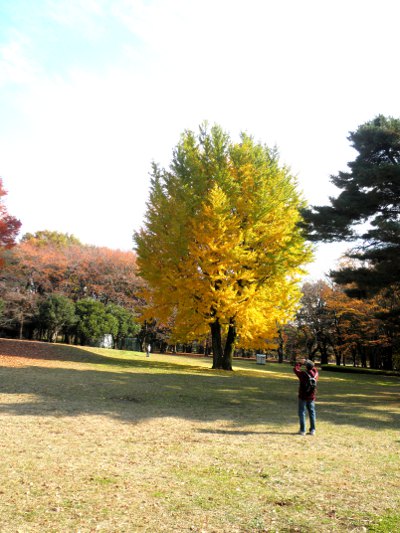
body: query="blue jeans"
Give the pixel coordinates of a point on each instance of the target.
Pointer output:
(310, 406)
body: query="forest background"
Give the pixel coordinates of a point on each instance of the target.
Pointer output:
(55, 288)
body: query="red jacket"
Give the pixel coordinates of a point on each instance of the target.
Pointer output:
(301, 374)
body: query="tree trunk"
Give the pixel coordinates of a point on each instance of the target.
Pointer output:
(338, 356)
(52, 336)
(280, 346)
(229, 346)
(216, 344)
(21, 328)
(309, 346)
(324, 354)
(222, 359)
(388, 358)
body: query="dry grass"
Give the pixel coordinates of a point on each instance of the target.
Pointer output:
(96, 440)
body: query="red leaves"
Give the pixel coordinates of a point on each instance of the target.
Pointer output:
(9, 225)
(76, 271)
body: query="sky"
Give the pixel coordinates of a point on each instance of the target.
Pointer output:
(93, 91)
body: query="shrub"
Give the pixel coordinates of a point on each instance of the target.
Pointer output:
(359, 370)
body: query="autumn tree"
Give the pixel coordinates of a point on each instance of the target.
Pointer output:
(20, 300)
(110, 276)
(9, 225)
(46, 264)
(221, 249)
(52, 262)
(330, 323)
(358, 333)
(20, 309)
(315, 320)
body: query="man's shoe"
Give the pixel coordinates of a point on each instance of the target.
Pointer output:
(302, 433)
(312, 432)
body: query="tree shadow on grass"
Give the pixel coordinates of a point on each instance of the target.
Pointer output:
(241, 398)
(132, 388)
(43, 351)
(244, 433)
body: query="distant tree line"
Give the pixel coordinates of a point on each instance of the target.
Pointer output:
(52, 287)
(331, 326)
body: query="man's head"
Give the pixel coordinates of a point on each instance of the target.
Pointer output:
(309, 364)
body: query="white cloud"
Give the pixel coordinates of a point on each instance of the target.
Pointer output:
(16, 65)
(83, 16)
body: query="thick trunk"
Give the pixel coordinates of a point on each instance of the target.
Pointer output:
(338, 357)
(324, 354)
(216, 344)
(388, 358)
(222, 358)
(229, 346)
(324, 359)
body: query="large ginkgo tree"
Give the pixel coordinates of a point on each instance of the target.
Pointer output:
(221, 249)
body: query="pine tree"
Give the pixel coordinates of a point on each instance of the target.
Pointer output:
(367, 210)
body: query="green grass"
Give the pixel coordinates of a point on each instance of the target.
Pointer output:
(387, 524)
(99, 440)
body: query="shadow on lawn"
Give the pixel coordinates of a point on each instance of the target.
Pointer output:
(241, 397)
(238, 432)
(43, 351)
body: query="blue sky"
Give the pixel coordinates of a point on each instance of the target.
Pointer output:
(92, 91)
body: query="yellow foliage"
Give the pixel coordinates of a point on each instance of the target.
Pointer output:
(222, 240)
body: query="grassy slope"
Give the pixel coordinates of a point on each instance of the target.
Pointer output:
(98, 440)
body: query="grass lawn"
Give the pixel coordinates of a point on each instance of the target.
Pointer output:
(100, 440)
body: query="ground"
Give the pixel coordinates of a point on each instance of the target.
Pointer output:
(100, 440)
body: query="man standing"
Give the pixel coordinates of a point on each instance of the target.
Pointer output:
(307, 393)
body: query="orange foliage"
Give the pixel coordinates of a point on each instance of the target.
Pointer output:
(75, 270)
(9, 225)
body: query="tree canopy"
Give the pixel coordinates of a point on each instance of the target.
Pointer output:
(221, 249)
(48, 272)
(55, 313)
(331, 323)
(47, 237)
(367, 210)
(48, 262)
